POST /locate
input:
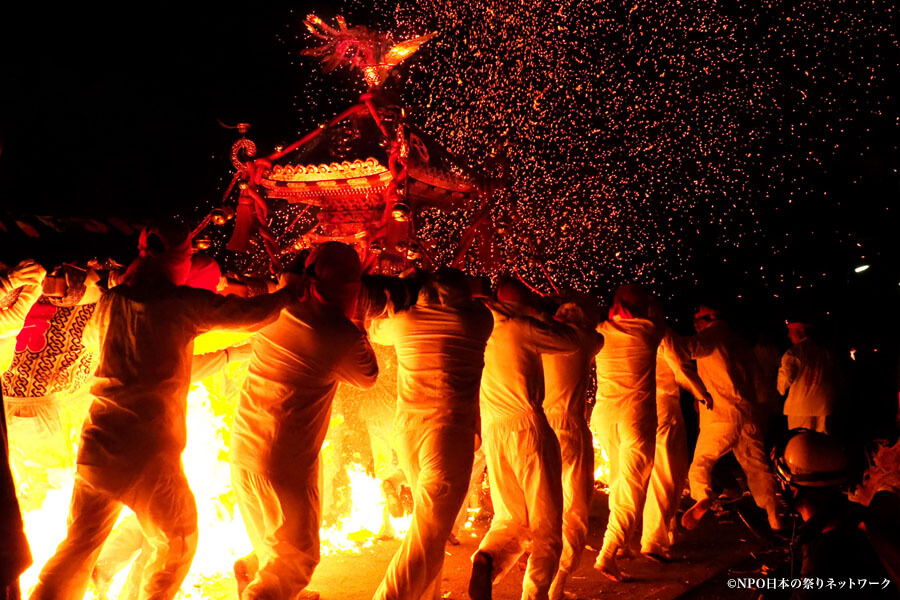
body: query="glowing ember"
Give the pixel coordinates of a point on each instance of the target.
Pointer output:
(643, 140)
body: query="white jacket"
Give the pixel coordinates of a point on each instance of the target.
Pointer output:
(512, 385)
(726, 365)
(626, 367)
(440, 356)
(295, 367)
(810, 376)
(145, 342)
(566, 381)
(674, 371)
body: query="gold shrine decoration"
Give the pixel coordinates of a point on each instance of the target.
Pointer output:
(374, 52)
(334, 172)
(377, 74)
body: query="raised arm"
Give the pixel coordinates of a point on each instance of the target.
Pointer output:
(210, 363)
(383, 330)
(787, 373)
(685, 372)
(26, 272)
(212, 311)
(551, 337)
(27, 276)
(358, 367)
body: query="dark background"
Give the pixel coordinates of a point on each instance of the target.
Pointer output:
(111, 109)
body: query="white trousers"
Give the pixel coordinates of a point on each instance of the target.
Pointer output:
(630, 445)
(165, 508)
(667, 480)
(475, 481)
(720, 435)
(126, 541)
(576, 448)
(525, 473)
(438, 463)
(379, 417)
(282, 521)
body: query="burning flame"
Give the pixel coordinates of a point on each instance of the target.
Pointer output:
(43, 464)
(601, 465)
(222, 538)
(45, 525)
(360, 528)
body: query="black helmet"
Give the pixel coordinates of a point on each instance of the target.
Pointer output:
(811, 459)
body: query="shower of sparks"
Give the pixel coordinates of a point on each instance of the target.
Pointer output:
(622, 126)
(642, 134)
(644, 139)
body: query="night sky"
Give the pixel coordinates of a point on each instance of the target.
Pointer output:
(111, 110)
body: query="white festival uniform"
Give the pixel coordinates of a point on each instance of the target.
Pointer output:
(810, 376)
(296, 365)
(566, 381)
(440, 356)
(625, 420)
(136, 430)
(725, 364)
(522, 452)
(674, 371)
